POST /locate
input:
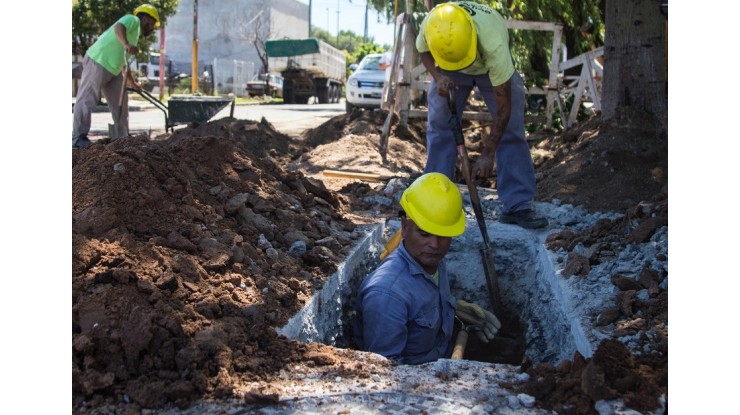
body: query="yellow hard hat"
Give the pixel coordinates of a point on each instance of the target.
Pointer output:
(434, 203)
(150, 10)
(451, 37)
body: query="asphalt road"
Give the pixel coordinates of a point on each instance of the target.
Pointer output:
(290, 119)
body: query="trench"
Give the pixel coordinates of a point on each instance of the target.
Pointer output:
(527, 279)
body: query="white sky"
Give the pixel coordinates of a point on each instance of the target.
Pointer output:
(351, 17)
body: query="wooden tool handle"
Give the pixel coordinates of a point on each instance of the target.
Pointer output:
(459, 349)
(356, 175)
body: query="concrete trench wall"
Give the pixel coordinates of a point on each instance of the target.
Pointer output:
(527, 277)
(528, 284)
(326, 318)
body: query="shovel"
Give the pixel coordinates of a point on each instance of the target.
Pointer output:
(486, 253)
(117, 130)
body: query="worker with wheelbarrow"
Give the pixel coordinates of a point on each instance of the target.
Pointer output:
(103, 72)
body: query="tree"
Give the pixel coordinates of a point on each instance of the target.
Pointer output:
(633, 33)
(582, 20)
(583, 30)
(257, 29)
(635, 58)
(351, 43)
(90, 18)
(322, 34)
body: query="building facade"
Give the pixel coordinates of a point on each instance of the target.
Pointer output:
(226, 30)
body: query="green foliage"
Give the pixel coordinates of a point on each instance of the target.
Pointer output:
(322, 34)
(351, 43)
(388, 9)
(363, 50)
(583, 29)
(90, 18)
(582, 20)
(538, 109)
(184, 85)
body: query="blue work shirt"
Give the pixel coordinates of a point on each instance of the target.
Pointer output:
(402, 314)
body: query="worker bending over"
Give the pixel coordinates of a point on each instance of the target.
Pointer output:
(464, 45)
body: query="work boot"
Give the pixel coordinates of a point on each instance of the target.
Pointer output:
(81, 141)
(525, 218)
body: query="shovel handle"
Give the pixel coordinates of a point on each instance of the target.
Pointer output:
(370, 177)
(460, 343)
(463, 153)
(489, 269)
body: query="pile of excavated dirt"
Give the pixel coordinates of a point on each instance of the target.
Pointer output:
(189, 250)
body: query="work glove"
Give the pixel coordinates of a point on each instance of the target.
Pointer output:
(483, 322)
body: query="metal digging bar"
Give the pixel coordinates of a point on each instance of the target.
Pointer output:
(486, 252)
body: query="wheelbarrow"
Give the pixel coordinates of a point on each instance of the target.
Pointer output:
(187, 109)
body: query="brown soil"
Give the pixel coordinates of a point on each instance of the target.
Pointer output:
(187, 254)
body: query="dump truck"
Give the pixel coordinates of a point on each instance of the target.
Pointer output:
(310, 68)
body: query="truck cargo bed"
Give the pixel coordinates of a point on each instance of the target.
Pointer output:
(311, 55)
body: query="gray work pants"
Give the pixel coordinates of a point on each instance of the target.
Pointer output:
(96, 80)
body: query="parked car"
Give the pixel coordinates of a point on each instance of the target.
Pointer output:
(266, 84)
(148, 71)
(365, 85)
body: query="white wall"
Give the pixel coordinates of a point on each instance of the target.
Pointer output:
(223, 27)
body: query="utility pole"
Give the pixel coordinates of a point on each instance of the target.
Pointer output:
(364, 37)
(162, 57)
(337, 24)
(309, 18)
(194, 66)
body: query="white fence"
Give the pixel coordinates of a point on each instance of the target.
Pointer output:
(231, 76)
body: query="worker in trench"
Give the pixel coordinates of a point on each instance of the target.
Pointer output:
(405, 310)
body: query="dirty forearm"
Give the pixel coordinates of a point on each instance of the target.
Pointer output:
(428, 60)
(120, 31)
(502, 95)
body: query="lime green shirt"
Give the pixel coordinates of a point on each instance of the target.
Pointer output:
(493, 52)
(108, 51)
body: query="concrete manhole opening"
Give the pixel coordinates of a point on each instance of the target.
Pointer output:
(537, 327)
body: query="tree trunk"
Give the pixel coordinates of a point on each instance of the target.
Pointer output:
(635, 58)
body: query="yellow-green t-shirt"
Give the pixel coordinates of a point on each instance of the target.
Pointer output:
(493, 55)
(435, 278)
(108, 51)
